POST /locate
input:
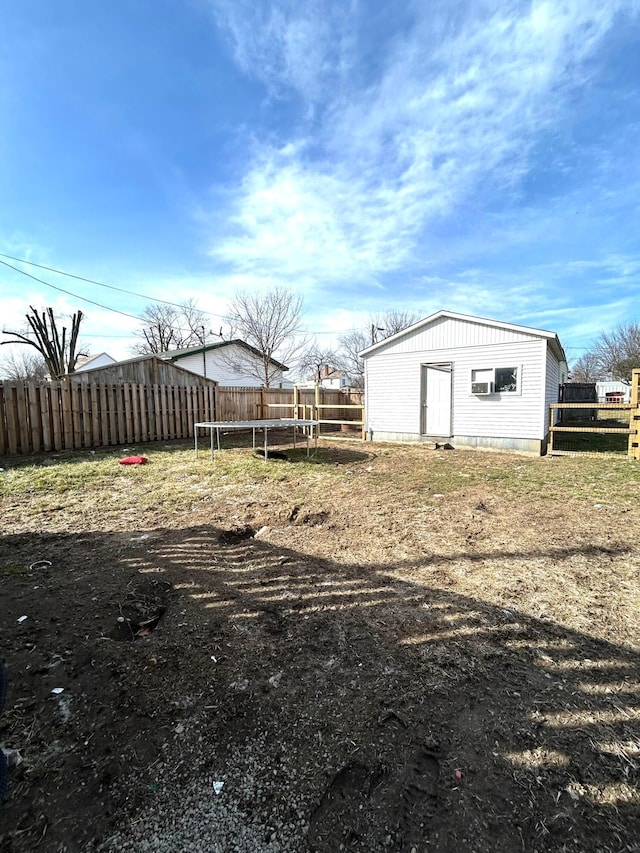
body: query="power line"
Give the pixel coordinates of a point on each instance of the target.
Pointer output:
(119, 290)
(82, 298)
(99, 335)
(69, 293)
(98, 283)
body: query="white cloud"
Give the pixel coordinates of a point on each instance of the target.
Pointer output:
(458, 101)
(290, 45)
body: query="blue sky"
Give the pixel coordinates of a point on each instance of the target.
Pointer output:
(480, 157)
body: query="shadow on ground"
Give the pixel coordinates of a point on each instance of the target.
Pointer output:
(392, 715)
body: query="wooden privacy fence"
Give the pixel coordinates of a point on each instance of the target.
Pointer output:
(73, 415)
(597, 427)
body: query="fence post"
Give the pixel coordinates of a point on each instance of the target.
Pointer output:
(317, 408)
(3, 442)
(634, 415)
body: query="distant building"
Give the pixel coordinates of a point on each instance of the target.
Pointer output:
(329, 378)
(613, 392)
(145, 369)
(230, 363)
(90, 362)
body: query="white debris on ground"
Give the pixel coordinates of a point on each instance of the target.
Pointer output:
(240, 810)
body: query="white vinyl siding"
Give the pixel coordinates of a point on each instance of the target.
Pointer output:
(393, 381)
(102, 360)
(449, 334)
(220, 366)
(604, 388)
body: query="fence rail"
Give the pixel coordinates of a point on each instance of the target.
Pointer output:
(596, 427)
(73, 415)
(324, 406)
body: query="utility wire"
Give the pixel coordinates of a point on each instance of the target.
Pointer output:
(82, 298)
(99, 283)
(118, 289)
(69, 293)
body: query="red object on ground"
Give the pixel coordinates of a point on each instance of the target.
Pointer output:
(134, 460)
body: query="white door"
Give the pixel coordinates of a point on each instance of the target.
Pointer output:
(436, 400)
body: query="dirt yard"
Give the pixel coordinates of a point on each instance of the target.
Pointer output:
(385, 648)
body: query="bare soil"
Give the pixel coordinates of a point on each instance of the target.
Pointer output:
(387, 648)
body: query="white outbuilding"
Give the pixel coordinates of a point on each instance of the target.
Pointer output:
(468, 381)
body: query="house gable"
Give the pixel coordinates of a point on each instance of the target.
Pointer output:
(448, 330)
(91, 362)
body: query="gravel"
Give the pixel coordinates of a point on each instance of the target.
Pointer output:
(254, 811)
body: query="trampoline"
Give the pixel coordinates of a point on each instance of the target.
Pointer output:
(215, 427)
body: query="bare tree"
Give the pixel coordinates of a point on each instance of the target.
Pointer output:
(25, 367)
(56, 348)
(314, 359)
(379, 327)
(350, 345)
(618, 352)
(391, 322)
(166, 327)
(586, 369)
(270, 322)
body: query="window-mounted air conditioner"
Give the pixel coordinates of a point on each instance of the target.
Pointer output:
(481, 387)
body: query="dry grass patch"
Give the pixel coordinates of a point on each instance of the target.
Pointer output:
(344, 631)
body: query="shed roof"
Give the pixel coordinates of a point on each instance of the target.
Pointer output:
(452, 315)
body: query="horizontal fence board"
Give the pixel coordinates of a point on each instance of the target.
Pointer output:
(596, 426)
(600, 430)
(594, 405)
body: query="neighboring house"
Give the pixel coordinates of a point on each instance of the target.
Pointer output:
(89, 362)
(467, 380)
(613, 392)
(329, 378)
(229, 363)
(143, 370)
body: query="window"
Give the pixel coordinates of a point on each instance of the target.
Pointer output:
(495, 380)
(506, 380)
